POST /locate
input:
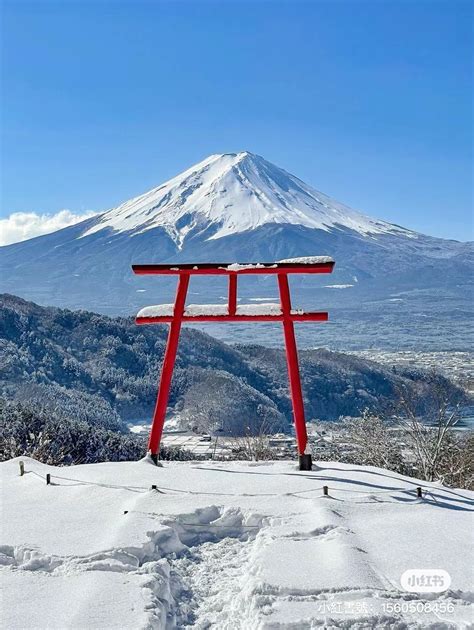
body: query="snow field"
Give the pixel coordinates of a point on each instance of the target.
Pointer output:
(228, 545)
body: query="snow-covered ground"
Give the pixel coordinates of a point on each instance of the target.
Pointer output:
(229, 546)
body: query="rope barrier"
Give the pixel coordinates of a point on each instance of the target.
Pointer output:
(105, 485)
(432, 496)
(295, 493)
(33, 472)
(391, 491)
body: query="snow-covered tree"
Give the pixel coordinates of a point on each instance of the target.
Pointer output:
(373, 442)
(55, 439)
(429, 424)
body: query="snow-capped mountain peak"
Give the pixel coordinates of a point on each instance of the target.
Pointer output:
(231, 193)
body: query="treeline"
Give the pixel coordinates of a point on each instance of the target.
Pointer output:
(103, 371)
(54, 438)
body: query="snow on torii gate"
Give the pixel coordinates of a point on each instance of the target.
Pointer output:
(176, 313)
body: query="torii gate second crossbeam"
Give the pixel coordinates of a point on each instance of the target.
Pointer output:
(177, 313)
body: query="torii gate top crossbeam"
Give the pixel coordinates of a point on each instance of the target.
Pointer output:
(312, 264)
(165, 313)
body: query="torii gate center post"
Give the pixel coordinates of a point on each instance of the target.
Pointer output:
(177, 313)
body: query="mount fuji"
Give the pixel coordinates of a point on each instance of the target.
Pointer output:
(235, 207)
(233, 193)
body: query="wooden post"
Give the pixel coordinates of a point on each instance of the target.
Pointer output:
(48, 479)
(419, 493)
(325, 491)
(125, 511)
(22, 469)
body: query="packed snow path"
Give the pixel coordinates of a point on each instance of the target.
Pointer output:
(228, 546)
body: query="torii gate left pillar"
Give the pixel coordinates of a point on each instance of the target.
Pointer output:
(176, 313)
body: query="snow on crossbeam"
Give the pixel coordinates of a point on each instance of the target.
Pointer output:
(307, 260)
(193, 310)
(164, 313)
(310, 264)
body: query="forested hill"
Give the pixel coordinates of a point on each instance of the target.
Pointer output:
(104, 370)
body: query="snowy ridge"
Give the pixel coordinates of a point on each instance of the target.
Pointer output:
(236, 546)
(231, 193)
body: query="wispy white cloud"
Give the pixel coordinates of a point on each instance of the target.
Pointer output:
(21, 226)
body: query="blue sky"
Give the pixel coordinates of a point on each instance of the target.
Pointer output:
(368, 101)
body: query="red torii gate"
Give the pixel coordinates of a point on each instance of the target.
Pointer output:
(176, 313)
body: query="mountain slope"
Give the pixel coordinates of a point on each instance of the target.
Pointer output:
(234, 207)
(104, 370)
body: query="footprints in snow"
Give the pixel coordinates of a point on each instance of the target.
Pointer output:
(192, 564)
